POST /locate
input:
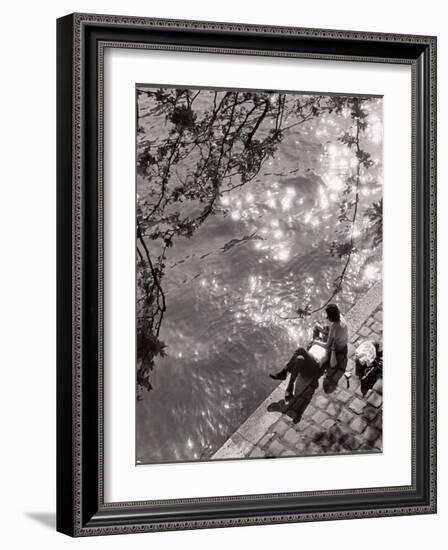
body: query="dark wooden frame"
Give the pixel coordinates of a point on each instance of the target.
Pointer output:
(81, 510)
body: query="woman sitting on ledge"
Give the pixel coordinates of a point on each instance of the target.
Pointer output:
(310, 362)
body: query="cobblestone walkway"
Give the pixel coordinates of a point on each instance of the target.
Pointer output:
(329, 415)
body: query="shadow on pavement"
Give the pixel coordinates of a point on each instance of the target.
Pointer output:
(305, 389)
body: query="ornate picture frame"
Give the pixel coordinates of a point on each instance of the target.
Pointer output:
(81, 506)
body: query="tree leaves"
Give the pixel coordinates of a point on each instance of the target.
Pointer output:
(341, 249)
(183, 117)
(375, 216)
(348, 139)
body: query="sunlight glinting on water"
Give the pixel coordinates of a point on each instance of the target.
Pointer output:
(258, 306)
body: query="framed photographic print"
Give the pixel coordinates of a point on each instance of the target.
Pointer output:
(246, 272)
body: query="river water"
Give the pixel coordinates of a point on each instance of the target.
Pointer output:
(228, 287)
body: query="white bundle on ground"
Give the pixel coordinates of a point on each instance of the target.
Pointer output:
(366, 353)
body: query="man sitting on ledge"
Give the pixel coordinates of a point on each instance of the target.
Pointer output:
(311, 361)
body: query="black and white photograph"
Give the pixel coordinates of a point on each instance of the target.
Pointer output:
(258, 274)
(219, 220)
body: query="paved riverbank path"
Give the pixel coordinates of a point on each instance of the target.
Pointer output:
(328, 415)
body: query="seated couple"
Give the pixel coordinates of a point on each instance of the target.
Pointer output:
(310, 362)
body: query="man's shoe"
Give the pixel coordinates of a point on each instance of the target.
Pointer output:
(279, 376)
